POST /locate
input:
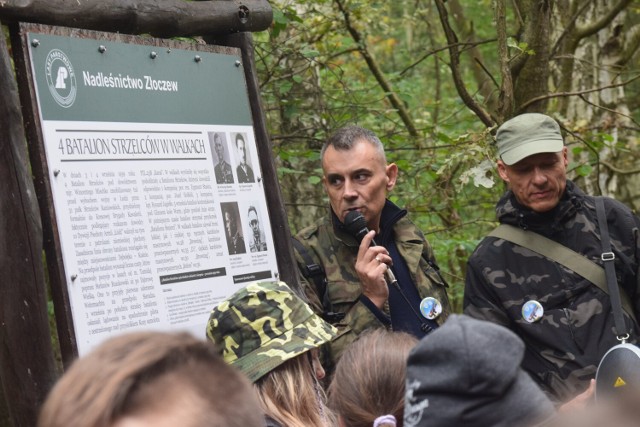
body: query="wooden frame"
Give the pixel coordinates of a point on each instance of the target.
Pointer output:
(24, 329)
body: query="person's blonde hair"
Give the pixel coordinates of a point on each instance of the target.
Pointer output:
(369, 380)
(291, 395)
(152, 373)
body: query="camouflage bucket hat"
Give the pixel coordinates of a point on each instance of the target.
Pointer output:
(263, 325)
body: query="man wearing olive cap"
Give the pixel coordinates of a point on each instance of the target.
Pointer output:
(564, 319)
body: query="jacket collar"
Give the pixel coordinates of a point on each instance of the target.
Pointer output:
(391, 214)
(510, 211)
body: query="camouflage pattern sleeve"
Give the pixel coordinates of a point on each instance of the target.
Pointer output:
(309, 289)
(341, 290)
(622, 220)
(356, 319)
(420, 260)
(479, 301)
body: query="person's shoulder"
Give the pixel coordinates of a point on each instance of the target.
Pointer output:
(406, 230)
(618, 207)
(619, 216)
(310, 232)
(485, 244)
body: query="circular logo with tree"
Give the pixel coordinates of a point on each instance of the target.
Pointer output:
(61, 78)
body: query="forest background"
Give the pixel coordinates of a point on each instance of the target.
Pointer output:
(433, 80)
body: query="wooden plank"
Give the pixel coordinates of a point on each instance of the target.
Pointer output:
(27, 366)
(160, 18)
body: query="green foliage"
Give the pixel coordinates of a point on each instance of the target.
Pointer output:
(520, 47)
(332, 86)
(315, 77)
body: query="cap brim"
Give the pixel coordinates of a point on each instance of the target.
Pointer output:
(518, 153)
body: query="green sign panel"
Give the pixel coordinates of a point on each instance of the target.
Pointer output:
(106, 81)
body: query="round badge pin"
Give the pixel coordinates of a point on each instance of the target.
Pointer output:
(430, 308)
(532, 311)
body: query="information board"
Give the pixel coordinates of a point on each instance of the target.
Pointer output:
(153, 169)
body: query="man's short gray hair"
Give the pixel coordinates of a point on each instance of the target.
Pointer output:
(344, 139)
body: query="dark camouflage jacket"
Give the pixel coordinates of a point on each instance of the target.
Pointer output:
(566, 345)
(336, 252)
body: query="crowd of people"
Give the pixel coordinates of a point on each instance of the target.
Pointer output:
(369, 339)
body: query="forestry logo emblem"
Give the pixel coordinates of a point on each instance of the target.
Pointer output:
(61, 78)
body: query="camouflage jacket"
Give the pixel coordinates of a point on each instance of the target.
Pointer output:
(564, 347)
(336, 252)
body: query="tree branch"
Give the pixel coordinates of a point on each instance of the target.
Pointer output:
(377, 72)
(595, 152)
(608, 109)
(443, 48)
(594, 27)
(619, 171)
(506, 104)
(568, 28)
(454, 64)
(576, 93)
(632, 43)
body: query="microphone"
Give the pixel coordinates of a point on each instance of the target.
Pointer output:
(356, 225)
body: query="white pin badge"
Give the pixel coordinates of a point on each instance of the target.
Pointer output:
(532, 311)
(430, 308)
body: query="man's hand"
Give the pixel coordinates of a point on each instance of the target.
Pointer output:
(371, 265)
(580, 401)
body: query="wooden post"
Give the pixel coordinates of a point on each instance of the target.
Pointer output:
(26, 355)
(5, 419)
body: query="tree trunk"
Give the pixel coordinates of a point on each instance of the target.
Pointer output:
(532, 79)
(26, 355)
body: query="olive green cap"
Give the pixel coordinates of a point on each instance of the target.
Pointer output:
(526, 135)
(263, 325)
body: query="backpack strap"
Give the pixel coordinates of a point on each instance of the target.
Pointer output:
(314, 272)
(608, 259)
(561, 254)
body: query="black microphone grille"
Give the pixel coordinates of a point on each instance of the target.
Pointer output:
(355, 224)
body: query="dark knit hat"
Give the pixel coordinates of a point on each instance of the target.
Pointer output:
(467, 373)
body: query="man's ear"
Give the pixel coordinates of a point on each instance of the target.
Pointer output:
(502, 171)
(392, 175)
